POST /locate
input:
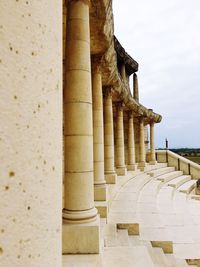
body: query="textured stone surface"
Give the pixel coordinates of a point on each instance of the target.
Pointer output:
(81, 238)
(30, 133)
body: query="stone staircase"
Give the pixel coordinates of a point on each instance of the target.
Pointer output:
(153, 221)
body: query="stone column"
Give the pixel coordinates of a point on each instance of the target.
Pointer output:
(81, 224)
(30, 133)
(142, 160)
(131, 144)
(152, 147)
(109, 163)
(135, 87)
(123, 72)
(120, 159)
(98, 138)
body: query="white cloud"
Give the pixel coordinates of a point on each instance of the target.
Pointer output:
(163, 36)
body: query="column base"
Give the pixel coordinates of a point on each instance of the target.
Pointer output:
(100, 192)
(197, 191)
(152, 162)
(131, 167)
(121, 171)
(102, 207)
(111, 178)
(81, 238)
(142, 165)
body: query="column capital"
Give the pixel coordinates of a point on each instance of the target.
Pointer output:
(107, 91)
(120, 106)
(84, 1)
(130, 114)
(141, 119)
(96, 64)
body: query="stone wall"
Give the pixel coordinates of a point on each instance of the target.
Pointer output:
(31, 133)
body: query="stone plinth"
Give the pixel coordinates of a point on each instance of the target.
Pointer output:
(80, 220)
(81, 238)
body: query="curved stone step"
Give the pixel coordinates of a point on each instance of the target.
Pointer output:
(126, 256)
(187, 187)
(121, 181)
(137, 256)
(120, 239)
(135, 185)
(193, 262)
(149, 167)
(151, 188)
(161, 171)
(136, 241)
(123, 237)
(158, 236)
(179, 181)
(109, 229)
(167, 218)
(176, 262)
(169, 176)
(158, 257)
(189, 252)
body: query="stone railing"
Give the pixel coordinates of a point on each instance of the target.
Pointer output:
(180, 163)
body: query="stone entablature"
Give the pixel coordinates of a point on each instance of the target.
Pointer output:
(123, 57)
(104, 44)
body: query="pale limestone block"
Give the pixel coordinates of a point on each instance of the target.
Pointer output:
(109, 152)
(100, 192)
(99, 154)
(153, 162)
(102, 207)
(121, 171)
(108, 138)
(84, 82)
(109, 165)
(79, 50)
(79, 192)
(79, 153)
(99, 172)
(111, 178)
(80, 32)
(132, 167)
(81, 238)
(79, 11)
(75, 122)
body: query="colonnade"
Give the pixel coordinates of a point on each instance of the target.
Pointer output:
(89, 137)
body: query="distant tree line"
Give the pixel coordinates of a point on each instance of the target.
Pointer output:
(185, 151)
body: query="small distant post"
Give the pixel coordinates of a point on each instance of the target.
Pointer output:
(166, 145)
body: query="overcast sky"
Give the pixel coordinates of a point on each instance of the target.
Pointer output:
(163, 36)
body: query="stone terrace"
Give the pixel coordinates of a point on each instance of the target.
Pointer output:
(153, 221)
